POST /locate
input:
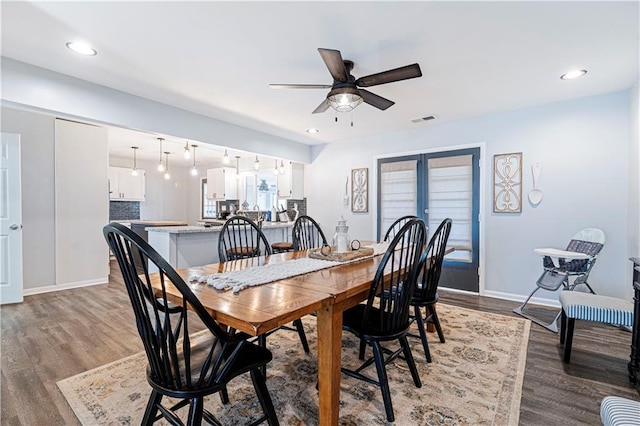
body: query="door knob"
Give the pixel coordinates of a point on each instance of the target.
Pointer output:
(14, 227)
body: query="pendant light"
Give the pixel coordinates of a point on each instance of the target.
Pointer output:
(187, 153)
(238, 167)
(194, 170)
(160, 165)
(281, 171)
(256, 164)
(275, 168)
(134, 171)
(167, 176)
(225, 159)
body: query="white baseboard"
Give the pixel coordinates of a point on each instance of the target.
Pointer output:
(521, 298)
(68, 286)
(507, 296)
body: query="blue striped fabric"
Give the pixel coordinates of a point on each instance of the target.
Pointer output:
(617, 411)
(594, 307)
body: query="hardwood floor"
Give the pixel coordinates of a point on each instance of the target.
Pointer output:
(53, 336)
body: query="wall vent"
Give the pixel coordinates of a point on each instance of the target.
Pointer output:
(421, 119)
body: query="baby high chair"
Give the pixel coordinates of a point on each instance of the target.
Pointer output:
(567, 268)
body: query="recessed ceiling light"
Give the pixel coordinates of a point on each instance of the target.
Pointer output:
(313, 130)
(81, 48)
(573, 74)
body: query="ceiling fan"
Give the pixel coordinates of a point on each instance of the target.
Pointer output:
(346, 91)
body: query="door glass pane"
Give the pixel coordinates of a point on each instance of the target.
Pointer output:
(398, 191)
(451, 195)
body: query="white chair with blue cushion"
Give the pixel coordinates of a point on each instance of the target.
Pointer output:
(590, 307)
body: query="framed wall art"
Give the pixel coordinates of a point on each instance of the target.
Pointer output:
(360, 190)
(507, 183)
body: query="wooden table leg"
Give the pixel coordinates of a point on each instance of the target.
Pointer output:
(329, 354)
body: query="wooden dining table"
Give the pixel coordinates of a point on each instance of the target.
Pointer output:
(257, 310)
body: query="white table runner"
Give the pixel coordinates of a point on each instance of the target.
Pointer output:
(258, 275)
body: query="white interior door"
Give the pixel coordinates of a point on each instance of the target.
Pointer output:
(10, 220)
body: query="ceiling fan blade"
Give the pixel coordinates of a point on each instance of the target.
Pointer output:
(402, 73)
(335, 63)
(300, 86)
(322, 107)
(375, 100)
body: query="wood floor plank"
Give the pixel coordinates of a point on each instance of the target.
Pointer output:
(53, 336)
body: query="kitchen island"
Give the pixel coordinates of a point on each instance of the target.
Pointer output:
(186, 246)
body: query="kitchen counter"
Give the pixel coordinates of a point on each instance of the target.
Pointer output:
(186, 246)
(158, 222)
(214, 228)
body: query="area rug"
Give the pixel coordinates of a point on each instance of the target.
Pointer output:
(475, 379)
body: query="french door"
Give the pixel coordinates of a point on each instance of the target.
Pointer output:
(435, 186)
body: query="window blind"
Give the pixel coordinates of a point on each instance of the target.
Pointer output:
(398, 191)
(451, 195)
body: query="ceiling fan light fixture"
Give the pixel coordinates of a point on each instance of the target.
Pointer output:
(344, 99)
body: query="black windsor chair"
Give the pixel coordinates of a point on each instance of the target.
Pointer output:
(190, 368)
(387, 318)
(242, 238)
(307, 234)
(426, 293)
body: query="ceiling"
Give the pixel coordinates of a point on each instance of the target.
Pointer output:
(218, 58)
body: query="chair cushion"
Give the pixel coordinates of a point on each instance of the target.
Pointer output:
(617, 411)
(594, 307)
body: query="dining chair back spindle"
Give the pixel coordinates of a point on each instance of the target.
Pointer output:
(180, 365)
(386, 318)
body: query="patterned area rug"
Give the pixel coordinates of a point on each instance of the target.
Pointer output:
(475, 379)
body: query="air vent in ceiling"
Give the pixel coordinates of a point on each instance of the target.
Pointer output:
(421, 119)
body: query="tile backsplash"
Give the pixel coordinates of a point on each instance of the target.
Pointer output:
(124, 210)
(302, 207)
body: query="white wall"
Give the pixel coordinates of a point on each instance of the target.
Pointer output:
(634, 181)
(582, 145)
(82, 204)
(38, 201)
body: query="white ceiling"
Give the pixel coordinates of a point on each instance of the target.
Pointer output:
(218, 58)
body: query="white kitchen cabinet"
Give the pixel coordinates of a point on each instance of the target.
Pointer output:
(123, 186)
(291, 183)
(222, 184)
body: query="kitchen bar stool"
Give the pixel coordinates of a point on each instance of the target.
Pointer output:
(282, 246)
